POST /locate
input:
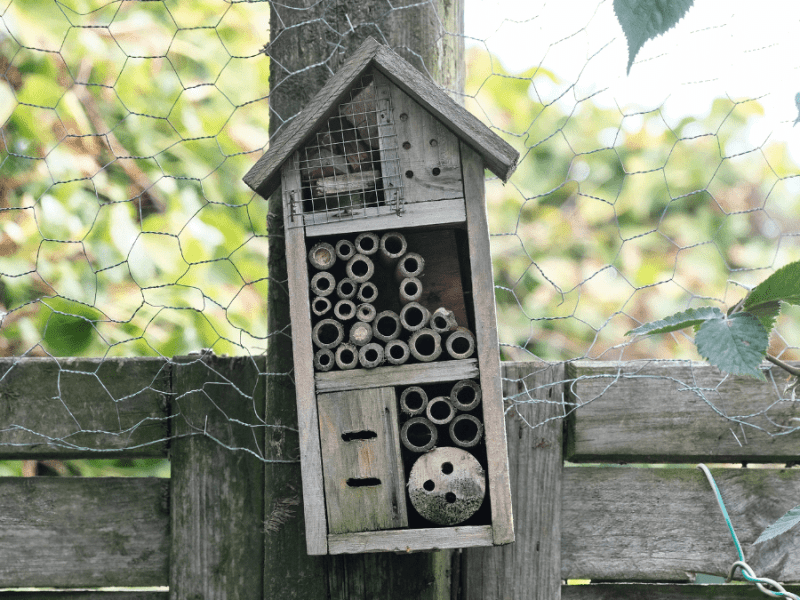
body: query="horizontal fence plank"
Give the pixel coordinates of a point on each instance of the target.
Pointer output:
(666, 411)
(655, 591)
(652, 524)
(84, 595)
(410, 540)
(433, 372)
(83, 532)
(83, 407)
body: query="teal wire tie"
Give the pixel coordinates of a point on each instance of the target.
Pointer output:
(747, 572)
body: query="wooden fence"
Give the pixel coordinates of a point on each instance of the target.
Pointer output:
(635, 532)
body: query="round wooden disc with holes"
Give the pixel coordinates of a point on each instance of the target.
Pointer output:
(447, 486)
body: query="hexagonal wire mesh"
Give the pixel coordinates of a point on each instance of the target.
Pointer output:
(125, 229)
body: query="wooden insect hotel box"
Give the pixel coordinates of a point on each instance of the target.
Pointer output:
(396, 356)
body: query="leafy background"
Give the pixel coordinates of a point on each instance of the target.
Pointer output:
(125, 229)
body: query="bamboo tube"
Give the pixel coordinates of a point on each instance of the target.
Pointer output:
(324, 360)
(367, 243)
(466, 395)
(323, 284)
(368, 292)
(345, 249)
(414, 316)
(346, 289)
(387, 326)
(418, 434)
(466, 431)
(320, 305)
(360, 333)
(447, 486)
(370, 355)
(322, 256)
(344, 310)
(410, 264)
(460, 344)
(439, 411)
(366, 312)
(328, 333)
(443, 320)
(425, 345)
(392, 246)
(346, 357)
(410, 290)
(397, 352)
(360, 268)
(413, 401)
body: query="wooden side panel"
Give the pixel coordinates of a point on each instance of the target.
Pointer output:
(488, 346)
(411, 540)
(83, 532)
(430, 166)
(82, 407)
(418, 373)
(664, 524)
(390, 160)
(303, 355)
(364, 483)
(217, 482)
(655, 591)
(648, 411)
(530, 568)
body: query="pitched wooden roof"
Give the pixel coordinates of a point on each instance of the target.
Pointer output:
(499, 156)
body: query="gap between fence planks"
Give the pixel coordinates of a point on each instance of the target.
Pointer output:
(651, 411)
(655, 591)
(68, 402)
(530, 568)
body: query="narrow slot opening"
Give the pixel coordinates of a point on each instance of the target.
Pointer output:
(350, 436)
(363, 482)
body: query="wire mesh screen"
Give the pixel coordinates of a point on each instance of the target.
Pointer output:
(342, 168)
(127, 126)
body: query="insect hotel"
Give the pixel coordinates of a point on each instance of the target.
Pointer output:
(396, 356)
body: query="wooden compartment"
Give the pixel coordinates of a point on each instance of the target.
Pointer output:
(382, 161)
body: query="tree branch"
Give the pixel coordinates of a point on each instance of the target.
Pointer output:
(785, 366)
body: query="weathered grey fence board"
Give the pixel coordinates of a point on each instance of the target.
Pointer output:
(83, 595)
(56, 408)
(529, 568)
(217, 483)
(648, 411)
(655, 591)
(654, 524)
(83, 532)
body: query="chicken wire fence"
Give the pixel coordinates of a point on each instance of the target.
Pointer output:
(125, 228)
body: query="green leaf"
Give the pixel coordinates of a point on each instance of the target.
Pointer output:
(782, 285)
(766, 313)
(735, 344)
(642, 20)
(681, 320)
(782, 525)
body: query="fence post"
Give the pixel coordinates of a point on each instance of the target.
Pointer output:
(304, 33)
(217, 481)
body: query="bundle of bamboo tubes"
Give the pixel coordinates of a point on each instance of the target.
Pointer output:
(351, 280)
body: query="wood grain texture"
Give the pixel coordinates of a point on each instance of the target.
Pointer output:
(424, 145)
(654, 524)
(410, 540)
(83, 595)
(418, 575)
(488, 346)
(362, 507)
(418, 373)
(665, 591)
(83, 532)
(82, 407)
(648, 411)
(217, 482)
(531, 567)
(303, 359)
(500, 157)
